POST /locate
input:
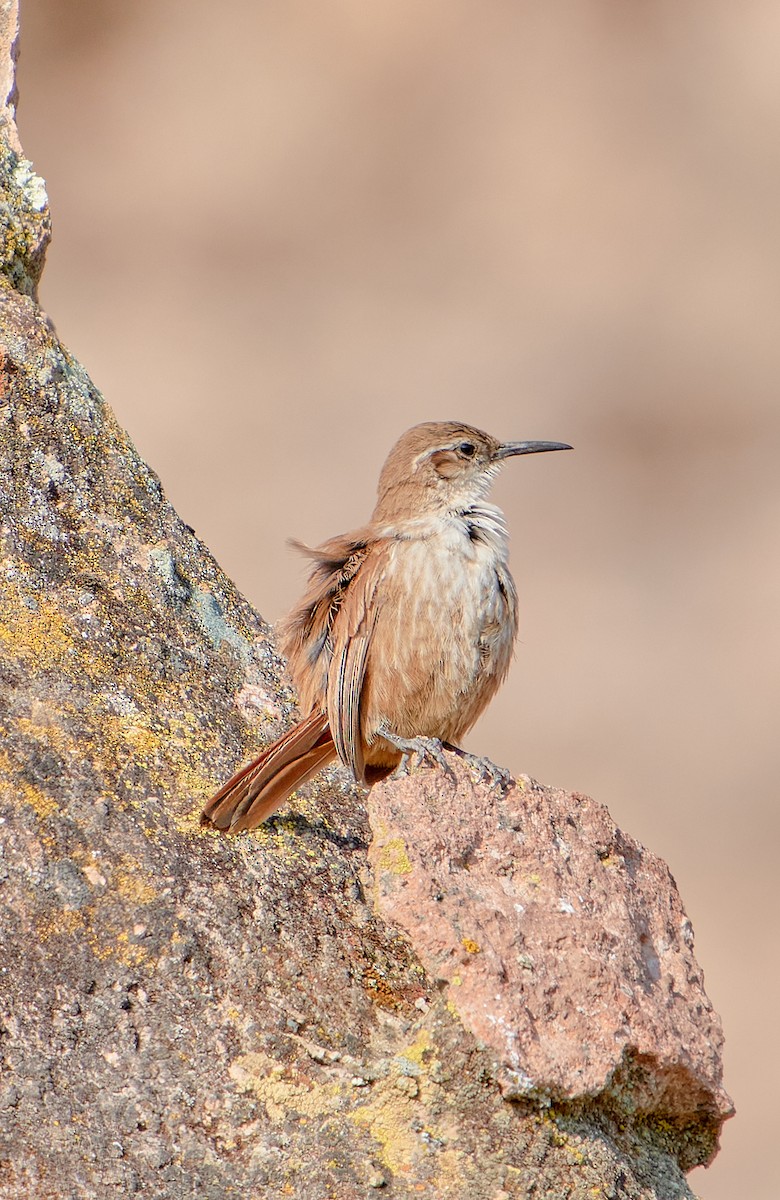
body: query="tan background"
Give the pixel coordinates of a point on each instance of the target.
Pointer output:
(282, 238)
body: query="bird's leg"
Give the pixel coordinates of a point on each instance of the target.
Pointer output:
(426, 748)
(485, 769)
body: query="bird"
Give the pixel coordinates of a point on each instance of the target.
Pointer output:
(406, 629)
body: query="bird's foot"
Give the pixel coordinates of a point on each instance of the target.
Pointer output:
(424, 749)
(485, 770)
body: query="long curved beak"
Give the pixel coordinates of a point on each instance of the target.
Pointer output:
(511, 448)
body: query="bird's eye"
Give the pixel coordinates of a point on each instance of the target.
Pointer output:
(468, 449)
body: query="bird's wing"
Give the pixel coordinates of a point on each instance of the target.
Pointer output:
(306, 635)
(351, 634)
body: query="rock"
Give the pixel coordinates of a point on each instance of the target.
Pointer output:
(24, 220)
(187, 1014)
(559, 941)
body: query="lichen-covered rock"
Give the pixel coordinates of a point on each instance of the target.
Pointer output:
(183, 1014)
(182, 1011)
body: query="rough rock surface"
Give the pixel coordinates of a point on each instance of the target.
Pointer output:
(562, 943)
(183, 1014)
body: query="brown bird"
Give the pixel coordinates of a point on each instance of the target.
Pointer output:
(406, 630)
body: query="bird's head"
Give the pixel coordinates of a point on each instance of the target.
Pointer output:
(440, 466)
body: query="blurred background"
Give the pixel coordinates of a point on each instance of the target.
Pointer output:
(285, 231)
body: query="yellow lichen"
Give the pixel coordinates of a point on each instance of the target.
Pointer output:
(131, 885)
(44, 806)
(392, 1118)
(119, 948)
(189, 824)
(470, 946)
(266, 1079)
(66, 921)
(143, 740)
(388, 1117)
(39, 635)
(421, 1049)
(43, 725)
(393, 857)
(104, 943)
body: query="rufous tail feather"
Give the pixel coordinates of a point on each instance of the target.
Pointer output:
(260, 787)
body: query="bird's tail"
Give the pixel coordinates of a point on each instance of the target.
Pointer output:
(262, 785)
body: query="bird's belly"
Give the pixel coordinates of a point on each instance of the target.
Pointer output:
(443, 639)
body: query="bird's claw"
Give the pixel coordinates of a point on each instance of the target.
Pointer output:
(432, 751)
(422, 749)
(486, 770)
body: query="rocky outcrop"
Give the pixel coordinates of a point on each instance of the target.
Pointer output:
(561, 944)
(483, 996)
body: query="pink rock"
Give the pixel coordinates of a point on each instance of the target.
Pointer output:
(561, 942)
